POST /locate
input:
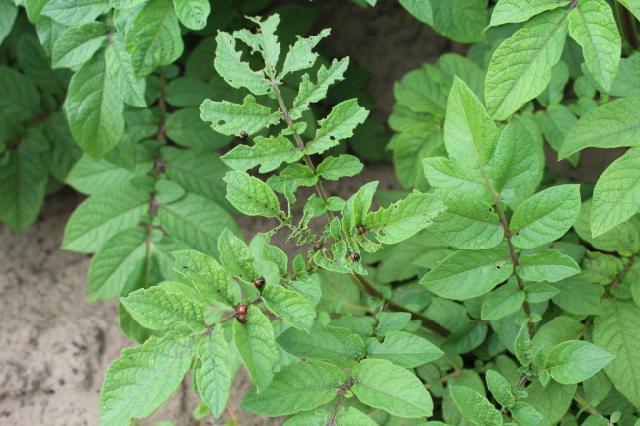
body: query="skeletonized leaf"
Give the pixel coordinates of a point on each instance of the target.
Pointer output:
(310, 92)
(344, 165)
(233, 70)
(193, 13)
(301, 55)
(336, 126)
(520, 68)
(269, 153)
(233, 119)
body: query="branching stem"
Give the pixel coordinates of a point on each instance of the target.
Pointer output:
(341, 397)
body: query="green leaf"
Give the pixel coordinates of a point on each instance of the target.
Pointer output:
(345, 416)
(269, 153)
(234, 119)
(8, 14)
(500, 388)
(116, 266)
(301, 55)
(336, 126)
(214, 374)
(551, 401)
(77, 44)
(20, 99)
(206, 275)
(470, 135)
(236, 257)
(94, 108)
(264, 41)
(189, 92)
(193, 13)
(610, 125)
(616, 196)
(153, 38)
(517, 165)
(185, 128)
(526, 414)
(74, 12)
(556, 331)
(502, 302)
(443, 173)
(92, 177)
(158, 309)
(522, 345)
(121, 74)
(344, 165)
(100, 217)
(298, 387)
(339, 345)
(627, 81)
(574, 361)
(545, 216)
(515, 11)
(538, 46)
(251, 196)
(578, 296)
(309, 92)
(421, 10)
(289, 305)
(291, 178)
(256, 344)
(633, 6)
(233, 70)
(475, 407)
(403, 219)
(404, 349)
(624, 238)
(23, 181)
(143, 378)
(467, 223)
(196, 221)
(616, 331)
(466, 274)
(547, 265)
(391, 321)
(460, 20)
(592, 25)
(379, 383)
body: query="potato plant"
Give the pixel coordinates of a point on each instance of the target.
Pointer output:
(489, 291)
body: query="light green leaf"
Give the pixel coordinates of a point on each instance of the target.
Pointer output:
(545, 216)
(193, 13)
(23, 181)
(470, 135)
(421, 10)
(234, 119)
(291, 178)
(468, 273)
(551, 401)
(158, 309)
(153, 39)
(624, 238)
(578, 296)
(547, 265)
(336, 126)
(475, 407)
(336, 344)
(214, 373)
(403, 219)
(289, 305)
(502, 302)
(120, 72)
(206, 275)
(94, 108)
(74, 12)
(611, 125)
(344, 165)
(627, 81)
(143, 378)
(381, 384)
(500, 388)
(233, 70)
(100, 217)
(298, 387)
(467, 223)
(117, 265)
(592, 25)
(8, 14)
(301, 55)
(556, 331)
(574, 361)
(309, 92)
(236, 257)
(256, 344)
(269, 153)
(356, 209)
(617, 331)
(251, 196)
(345, 416)
(460, 20)
(446, 174)
(526, 414)
(515, 11)
(266, 41)
(197, 221)
(404, 349)
(616, 196)
(511, 82)
(77, 44)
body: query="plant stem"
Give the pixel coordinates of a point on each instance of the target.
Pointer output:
(341, 392)
(585, 405)
(364, 284)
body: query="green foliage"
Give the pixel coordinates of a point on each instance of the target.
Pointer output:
(487, 291)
